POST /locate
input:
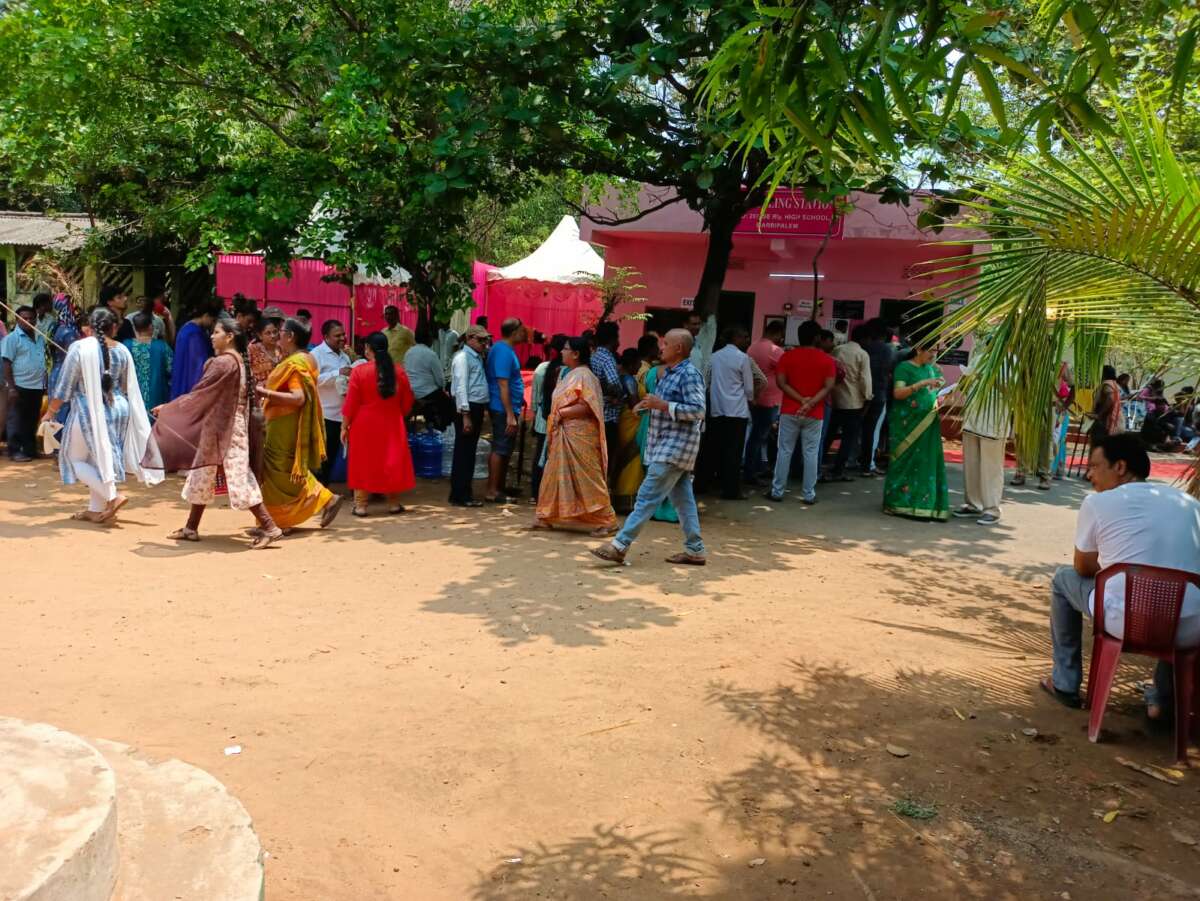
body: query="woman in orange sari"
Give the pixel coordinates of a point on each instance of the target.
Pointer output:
(574, 489)
(295, 442)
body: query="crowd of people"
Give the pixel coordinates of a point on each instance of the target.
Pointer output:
(249, 403)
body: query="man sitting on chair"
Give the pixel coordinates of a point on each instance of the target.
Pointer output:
(1127, 520)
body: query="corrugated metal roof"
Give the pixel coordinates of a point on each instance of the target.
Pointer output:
(63, 232)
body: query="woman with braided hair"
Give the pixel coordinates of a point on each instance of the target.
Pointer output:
(215, 425)
(107, 436)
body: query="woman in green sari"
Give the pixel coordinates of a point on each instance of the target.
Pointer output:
(646, 385)
(916, 476)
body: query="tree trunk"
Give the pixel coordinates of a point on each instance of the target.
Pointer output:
(719, 221)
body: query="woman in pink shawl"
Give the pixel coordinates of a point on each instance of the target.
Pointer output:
(214, 425)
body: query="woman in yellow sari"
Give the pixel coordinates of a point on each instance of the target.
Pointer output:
(295, 443)
(574, 490)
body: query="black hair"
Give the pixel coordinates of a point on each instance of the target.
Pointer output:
(328, 326)
(307, 314)
(108, 292)
(1123, 375)
(1108, 374)
(775, 327)
(583, 347)
(142, 321)
(300, 332)
(25, 308)
(103, 321)
(607, 333)
(385, 368)
(807, 333)
(533, 362)
(827, 335)
(858, 334)
(241, 343)
(481, 320)
(631, 360)
(648, 346)
(734, 332)
(210, 306)
(424, 335)
(41, 299)
(1127, 447)
(509, 327)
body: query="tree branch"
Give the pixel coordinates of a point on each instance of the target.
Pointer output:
(619, 220)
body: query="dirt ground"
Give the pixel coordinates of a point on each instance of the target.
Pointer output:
(442, 706)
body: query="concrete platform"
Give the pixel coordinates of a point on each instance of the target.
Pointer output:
(99, 821)
(183, 836)
(58, 816)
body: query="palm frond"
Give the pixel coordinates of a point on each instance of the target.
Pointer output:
(1099, 248)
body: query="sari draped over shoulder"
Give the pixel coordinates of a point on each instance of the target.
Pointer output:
(194, 430)
(294, 446)
(916, 477)
(574, 484)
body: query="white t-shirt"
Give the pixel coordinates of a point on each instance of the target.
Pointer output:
(1148, 523)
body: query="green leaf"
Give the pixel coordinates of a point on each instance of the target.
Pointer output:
(991, 90)
(1183, 62)
(1086, 19)
(832, 53)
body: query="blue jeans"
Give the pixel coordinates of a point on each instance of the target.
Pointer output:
(1068, 606)
(761, 420)
(808, 431)
(663, 480)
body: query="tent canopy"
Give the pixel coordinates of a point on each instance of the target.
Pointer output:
(562, 259)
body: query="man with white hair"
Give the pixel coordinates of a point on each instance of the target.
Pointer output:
(676, 420)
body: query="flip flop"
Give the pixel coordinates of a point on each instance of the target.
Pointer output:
(397, 510)
(359, 511)
(604, 532)
(184, 534)
(111, 514)
(1067, 700)
(687, 560)
(329, 514)
(86, 516)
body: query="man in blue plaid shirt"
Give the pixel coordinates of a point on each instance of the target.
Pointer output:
(604, 367)
(676, 422)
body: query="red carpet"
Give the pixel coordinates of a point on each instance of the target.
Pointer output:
(1167, 470)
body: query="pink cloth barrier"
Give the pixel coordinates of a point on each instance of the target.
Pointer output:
(312, 287)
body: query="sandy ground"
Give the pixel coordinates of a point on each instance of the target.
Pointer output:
(441, 706)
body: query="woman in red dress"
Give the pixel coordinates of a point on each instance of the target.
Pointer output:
(377, 400)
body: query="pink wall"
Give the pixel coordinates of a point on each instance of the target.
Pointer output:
(877, 257)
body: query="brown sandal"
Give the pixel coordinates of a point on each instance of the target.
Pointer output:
(266, 539)
(608, 553)
(87, 516)
(687, 560)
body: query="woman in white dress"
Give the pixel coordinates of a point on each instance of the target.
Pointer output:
(106, 436)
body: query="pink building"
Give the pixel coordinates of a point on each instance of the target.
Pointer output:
(871, 265)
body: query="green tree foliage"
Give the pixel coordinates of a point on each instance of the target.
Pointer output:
(229, 123)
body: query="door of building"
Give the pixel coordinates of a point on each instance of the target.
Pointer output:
(735, 308)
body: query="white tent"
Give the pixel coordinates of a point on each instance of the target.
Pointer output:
(562, 258)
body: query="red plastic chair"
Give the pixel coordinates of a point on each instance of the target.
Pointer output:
(1153, 598)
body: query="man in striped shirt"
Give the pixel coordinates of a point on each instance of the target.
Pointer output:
(676, 422)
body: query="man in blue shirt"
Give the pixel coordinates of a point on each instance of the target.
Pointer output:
(24, 356)
(506, 397)
(604, 367)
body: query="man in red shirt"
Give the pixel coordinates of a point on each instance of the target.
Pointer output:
(806, 375)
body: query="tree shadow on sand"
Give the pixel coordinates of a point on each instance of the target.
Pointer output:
(1010, 780)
